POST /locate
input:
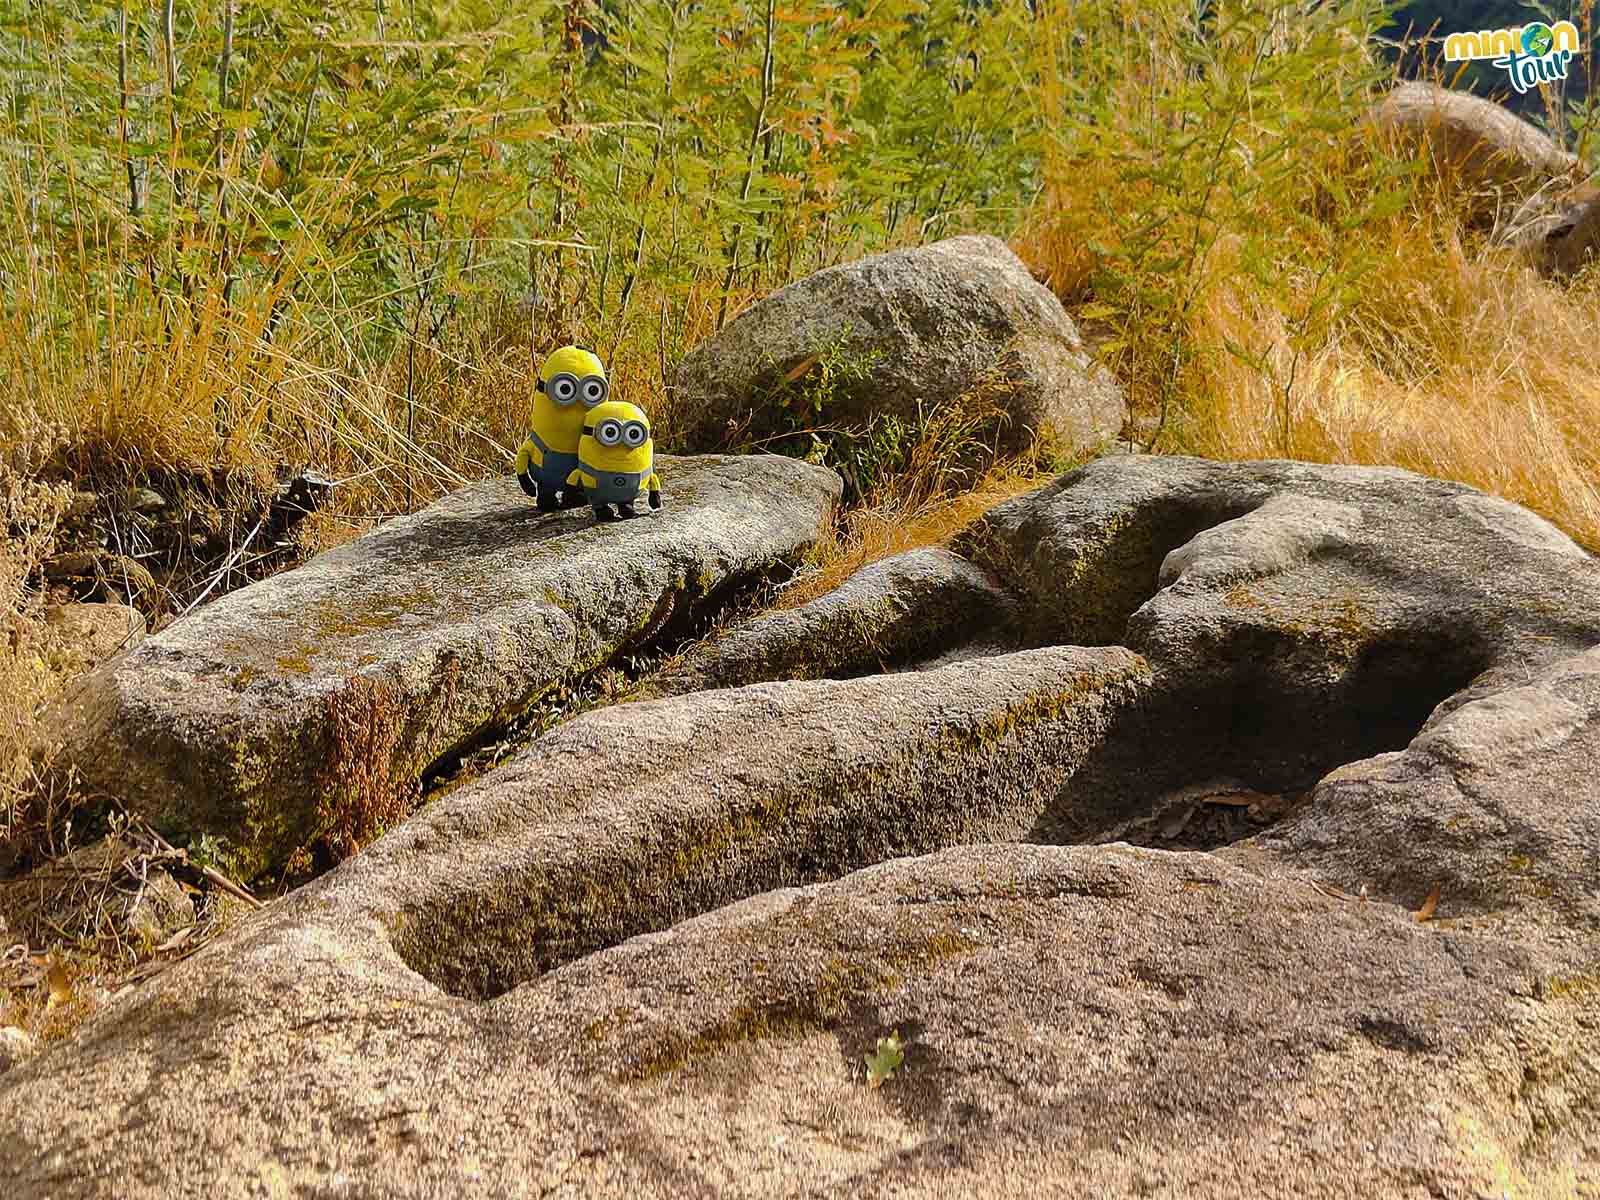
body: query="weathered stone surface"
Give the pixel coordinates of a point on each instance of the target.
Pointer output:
(1287, 531)
(160, 907)
(1559, 231)
(942, 319)
(145, 500)
(1299, 616)
(1495, 802)
(916, 603)
(96, 632)
(629, 818)
(1090, 1020)
(1101, 1021)
(281, 709)
(96, 574)
(1481, 142)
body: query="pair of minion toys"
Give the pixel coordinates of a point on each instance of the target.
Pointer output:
(584, 447)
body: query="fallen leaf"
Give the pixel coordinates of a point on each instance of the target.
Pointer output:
(805, 365)
(1431, 903)
(177, 939)
(1337, 894)
(881, 1066)
(55, 977)
(1233, 799)
(1176, 822)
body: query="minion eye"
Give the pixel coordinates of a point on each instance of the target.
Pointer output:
(609, 433)
(594, 390)
(563, 388)
(634, 433)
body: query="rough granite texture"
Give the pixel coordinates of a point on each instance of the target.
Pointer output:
(1298, 616)
(920, 602)
(546, 982)
(264, 712)
(942, 319)
(1494, 802)
(1079, 1021)
(635, 816)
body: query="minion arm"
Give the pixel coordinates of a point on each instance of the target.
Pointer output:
(524, 459)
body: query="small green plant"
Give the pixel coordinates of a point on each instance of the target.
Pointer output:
(812, 386)
(208, 850)
(882, 1063)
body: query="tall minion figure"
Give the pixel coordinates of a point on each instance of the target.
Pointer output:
(572, 384)
(616, 460)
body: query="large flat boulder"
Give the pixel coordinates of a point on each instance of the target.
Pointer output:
(907, 331)
(1106, 1021)
(1300, 616)
(308, 705)
(649, 953)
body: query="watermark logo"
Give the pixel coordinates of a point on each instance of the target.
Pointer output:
(1531, 54)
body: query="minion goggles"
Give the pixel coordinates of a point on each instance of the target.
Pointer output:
(611, 431)
(564, 387)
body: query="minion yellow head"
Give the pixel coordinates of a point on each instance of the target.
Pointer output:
(616, 436)
(572, 383)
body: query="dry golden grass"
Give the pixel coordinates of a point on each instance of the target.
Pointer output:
(29, 514)
(1462, 364)
(951, 473)
(892, 525)
(1456, 359)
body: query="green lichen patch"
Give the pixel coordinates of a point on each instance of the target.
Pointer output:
(362, 784)
(1572, 987)
(688, 857)
(297, 660)
(1339, 623)
(819, 1003)
(354, 616)
(1110, 687)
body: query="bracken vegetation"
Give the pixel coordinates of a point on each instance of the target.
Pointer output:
(243, 239)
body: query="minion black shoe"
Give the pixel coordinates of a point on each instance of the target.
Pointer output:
(573, 497)
(627, 509)
(602, 512)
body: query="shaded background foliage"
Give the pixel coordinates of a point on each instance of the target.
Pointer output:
(1420, 27)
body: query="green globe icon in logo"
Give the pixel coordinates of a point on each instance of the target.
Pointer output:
(1537, 39)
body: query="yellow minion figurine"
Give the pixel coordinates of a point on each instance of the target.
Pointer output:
(616, 460)
(572, 383)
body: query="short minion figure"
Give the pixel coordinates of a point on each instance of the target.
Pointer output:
(616, 460)
(572, 383)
